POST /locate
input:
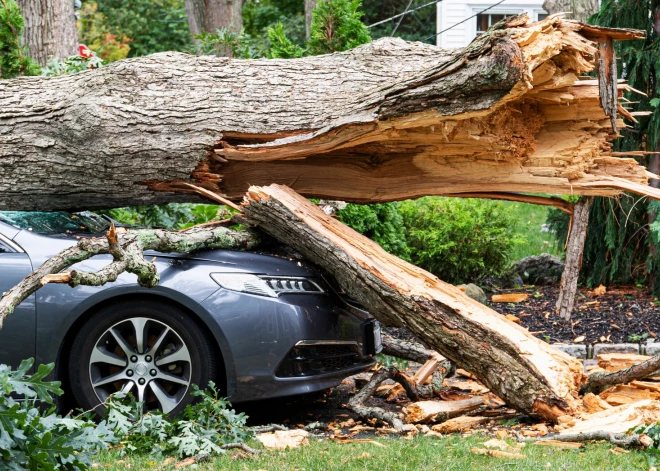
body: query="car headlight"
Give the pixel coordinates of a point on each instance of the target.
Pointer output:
(266, 285)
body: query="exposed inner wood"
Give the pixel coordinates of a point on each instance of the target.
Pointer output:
(524, 371)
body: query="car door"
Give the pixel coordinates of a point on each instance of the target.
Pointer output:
(17, 337)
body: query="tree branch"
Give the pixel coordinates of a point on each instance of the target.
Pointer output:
(127, 249)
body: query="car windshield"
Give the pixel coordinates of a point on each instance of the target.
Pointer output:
(57, 222)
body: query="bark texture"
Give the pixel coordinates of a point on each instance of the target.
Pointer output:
(386, 121)
(579, 10)
(209, 15)
(524, 371)
(50, 29)
(574, 248)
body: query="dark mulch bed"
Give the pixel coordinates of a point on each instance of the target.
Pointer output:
(622, 314)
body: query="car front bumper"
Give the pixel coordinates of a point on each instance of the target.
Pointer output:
(294, 344)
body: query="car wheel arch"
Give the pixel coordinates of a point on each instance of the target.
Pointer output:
(225, 377)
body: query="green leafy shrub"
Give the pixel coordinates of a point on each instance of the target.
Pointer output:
(85, 60)
(94, 31)
(203, 427)
(224, 42)
(382, 223)
(168, 216)
(14, 60)
(459, 240)
(152, 25)
(37, 439)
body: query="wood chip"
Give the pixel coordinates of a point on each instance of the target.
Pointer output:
(283, 439)
(509, 297)
(497, 453)
(601, 290)
(559, 444)
(513, 318)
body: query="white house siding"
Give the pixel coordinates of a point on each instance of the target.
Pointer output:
(451, 12)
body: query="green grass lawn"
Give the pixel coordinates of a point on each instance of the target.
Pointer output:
(530, 219)
(421, 453)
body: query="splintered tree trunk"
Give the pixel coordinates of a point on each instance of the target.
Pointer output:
(576, 236)
(50, 29)
(524, 371)
(386, 121)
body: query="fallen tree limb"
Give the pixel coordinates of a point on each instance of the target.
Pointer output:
(386, 121)
(599, 380)
(526, 372)
(438, 411)
(619, 439)
(356, 403)
(127, 249)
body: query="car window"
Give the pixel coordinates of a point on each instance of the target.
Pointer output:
(4, 248)
(56, 222)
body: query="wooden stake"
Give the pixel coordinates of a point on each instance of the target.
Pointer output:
(573, 262)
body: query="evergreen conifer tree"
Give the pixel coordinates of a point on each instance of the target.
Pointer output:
(14, 60)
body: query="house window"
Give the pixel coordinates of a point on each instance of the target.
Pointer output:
(486, 20)
(541, 16)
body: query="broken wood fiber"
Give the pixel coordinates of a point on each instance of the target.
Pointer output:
(524, 371)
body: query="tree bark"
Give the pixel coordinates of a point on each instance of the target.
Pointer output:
(386, 121)
(574, 248)
(524, 371)
(210, 15)
(309, 9)
(579, 10)
(50, 29)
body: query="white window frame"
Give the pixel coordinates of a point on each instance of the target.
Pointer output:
(504, 10)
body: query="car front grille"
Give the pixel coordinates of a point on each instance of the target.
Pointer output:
(310, 360)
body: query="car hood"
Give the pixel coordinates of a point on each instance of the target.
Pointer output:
(266, 264)
(41, 248)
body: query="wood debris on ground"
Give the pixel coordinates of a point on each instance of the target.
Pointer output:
(283, 439)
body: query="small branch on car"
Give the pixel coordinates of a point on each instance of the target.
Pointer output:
(127, 249)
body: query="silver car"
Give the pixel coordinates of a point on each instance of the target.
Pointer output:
(259, 326)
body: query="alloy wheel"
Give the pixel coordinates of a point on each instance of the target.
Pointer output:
(145, 357)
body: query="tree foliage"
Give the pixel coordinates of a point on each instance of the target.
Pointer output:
(94, 32)
(336, 26)
(152, 25)
(459, 240)
(14, 60)
(32, 435)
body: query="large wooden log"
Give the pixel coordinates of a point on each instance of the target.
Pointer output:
(386, 121)
(526, 372)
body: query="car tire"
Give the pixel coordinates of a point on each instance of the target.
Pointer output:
(108, 356)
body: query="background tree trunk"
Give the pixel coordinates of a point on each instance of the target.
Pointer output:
(580, 10)
(309, 8)
(386, 121)
(209, 15)
(50, 29)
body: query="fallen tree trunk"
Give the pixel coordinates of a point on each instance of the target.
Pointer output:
(386, 121)
(524, 371)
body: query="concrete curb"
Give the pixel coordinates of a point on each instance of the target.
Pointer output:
(586, 352)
